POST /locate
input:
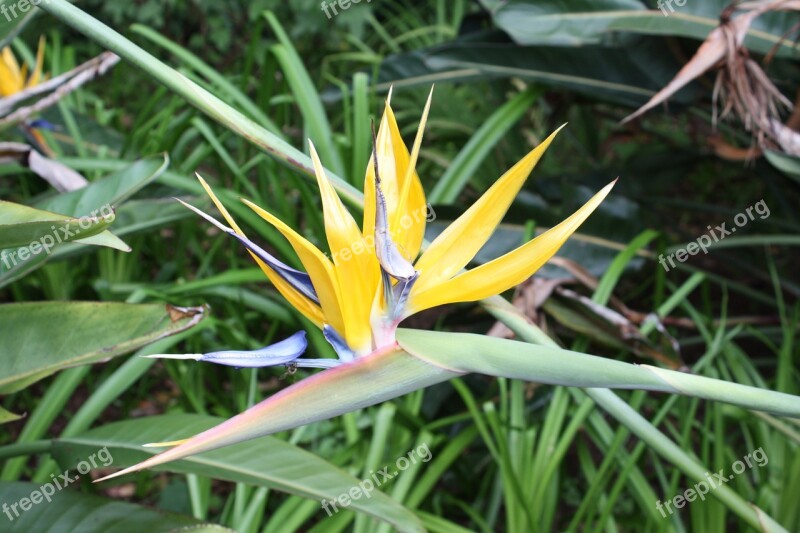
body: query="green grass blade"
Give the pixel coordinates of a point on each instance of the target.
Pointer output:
(466, 163)
(193, 93)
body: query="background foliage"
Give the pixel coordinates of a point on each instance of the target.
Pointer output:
(507, 455)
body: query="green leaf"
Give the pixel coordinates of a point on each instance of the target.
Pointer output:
(69, 510)
(111, 190)
(9, 29)
(8, 416)
(193, 93)
(98, 197)
(40, 338)
(787, 164)
(482, 142)
(588, 22)
(627, 76)
(136, 216)
(316, 120)
(267, 462)
(21, 225)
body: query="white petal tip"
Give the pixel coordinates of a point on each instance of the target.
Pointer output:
(194, 356)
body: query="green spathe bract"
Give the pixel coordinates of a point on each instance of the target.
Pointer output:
(424, 358)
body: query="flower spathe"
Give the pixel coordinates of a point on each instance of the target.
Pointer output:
(377, 275)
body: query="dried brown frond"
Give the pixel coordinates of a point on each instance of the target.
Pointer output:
(742, 89)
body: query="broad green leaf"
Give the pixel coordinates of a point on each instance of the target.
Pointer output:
(69, 510)
(136, 216)
(787, 164)
(21, 225)
(628, 76)
(8, 416)
(267, 462)
(98, 197)
(9, 29)
(110, 191)
(588, 22)
(40, 338)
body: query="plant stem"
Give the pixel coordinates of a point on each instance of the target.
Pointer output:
(193, 93)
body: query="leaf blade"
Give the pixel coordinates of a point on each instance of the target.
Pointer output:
(44, 337)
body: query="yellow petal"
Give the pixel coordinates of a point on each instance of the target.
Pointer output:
(509, 270)
(411, 206)
(308, 308)
(11, 81)
(319, 267)
(36, 75)
(398, 180)
(460, 241)
(356, 266)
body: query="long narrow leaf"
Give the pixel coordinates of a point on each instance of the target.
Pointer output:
(193, 93)
(269, 462)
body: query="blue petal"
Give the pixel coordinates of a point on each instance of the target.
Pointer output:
(280, 353)
(391, 260)
(394, 265)
(339, 344)
(42, 124)
(400, 292)
(297, 279)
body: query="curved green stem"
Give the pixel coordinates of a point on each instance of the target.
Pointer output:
(192, 92)
(24, 449)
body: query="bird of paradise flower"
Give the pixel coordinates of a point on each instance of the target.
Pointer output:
(359, 302)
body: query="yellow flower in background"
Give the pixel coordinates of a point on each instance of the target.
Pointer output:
(376, 276)
(14, 79)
